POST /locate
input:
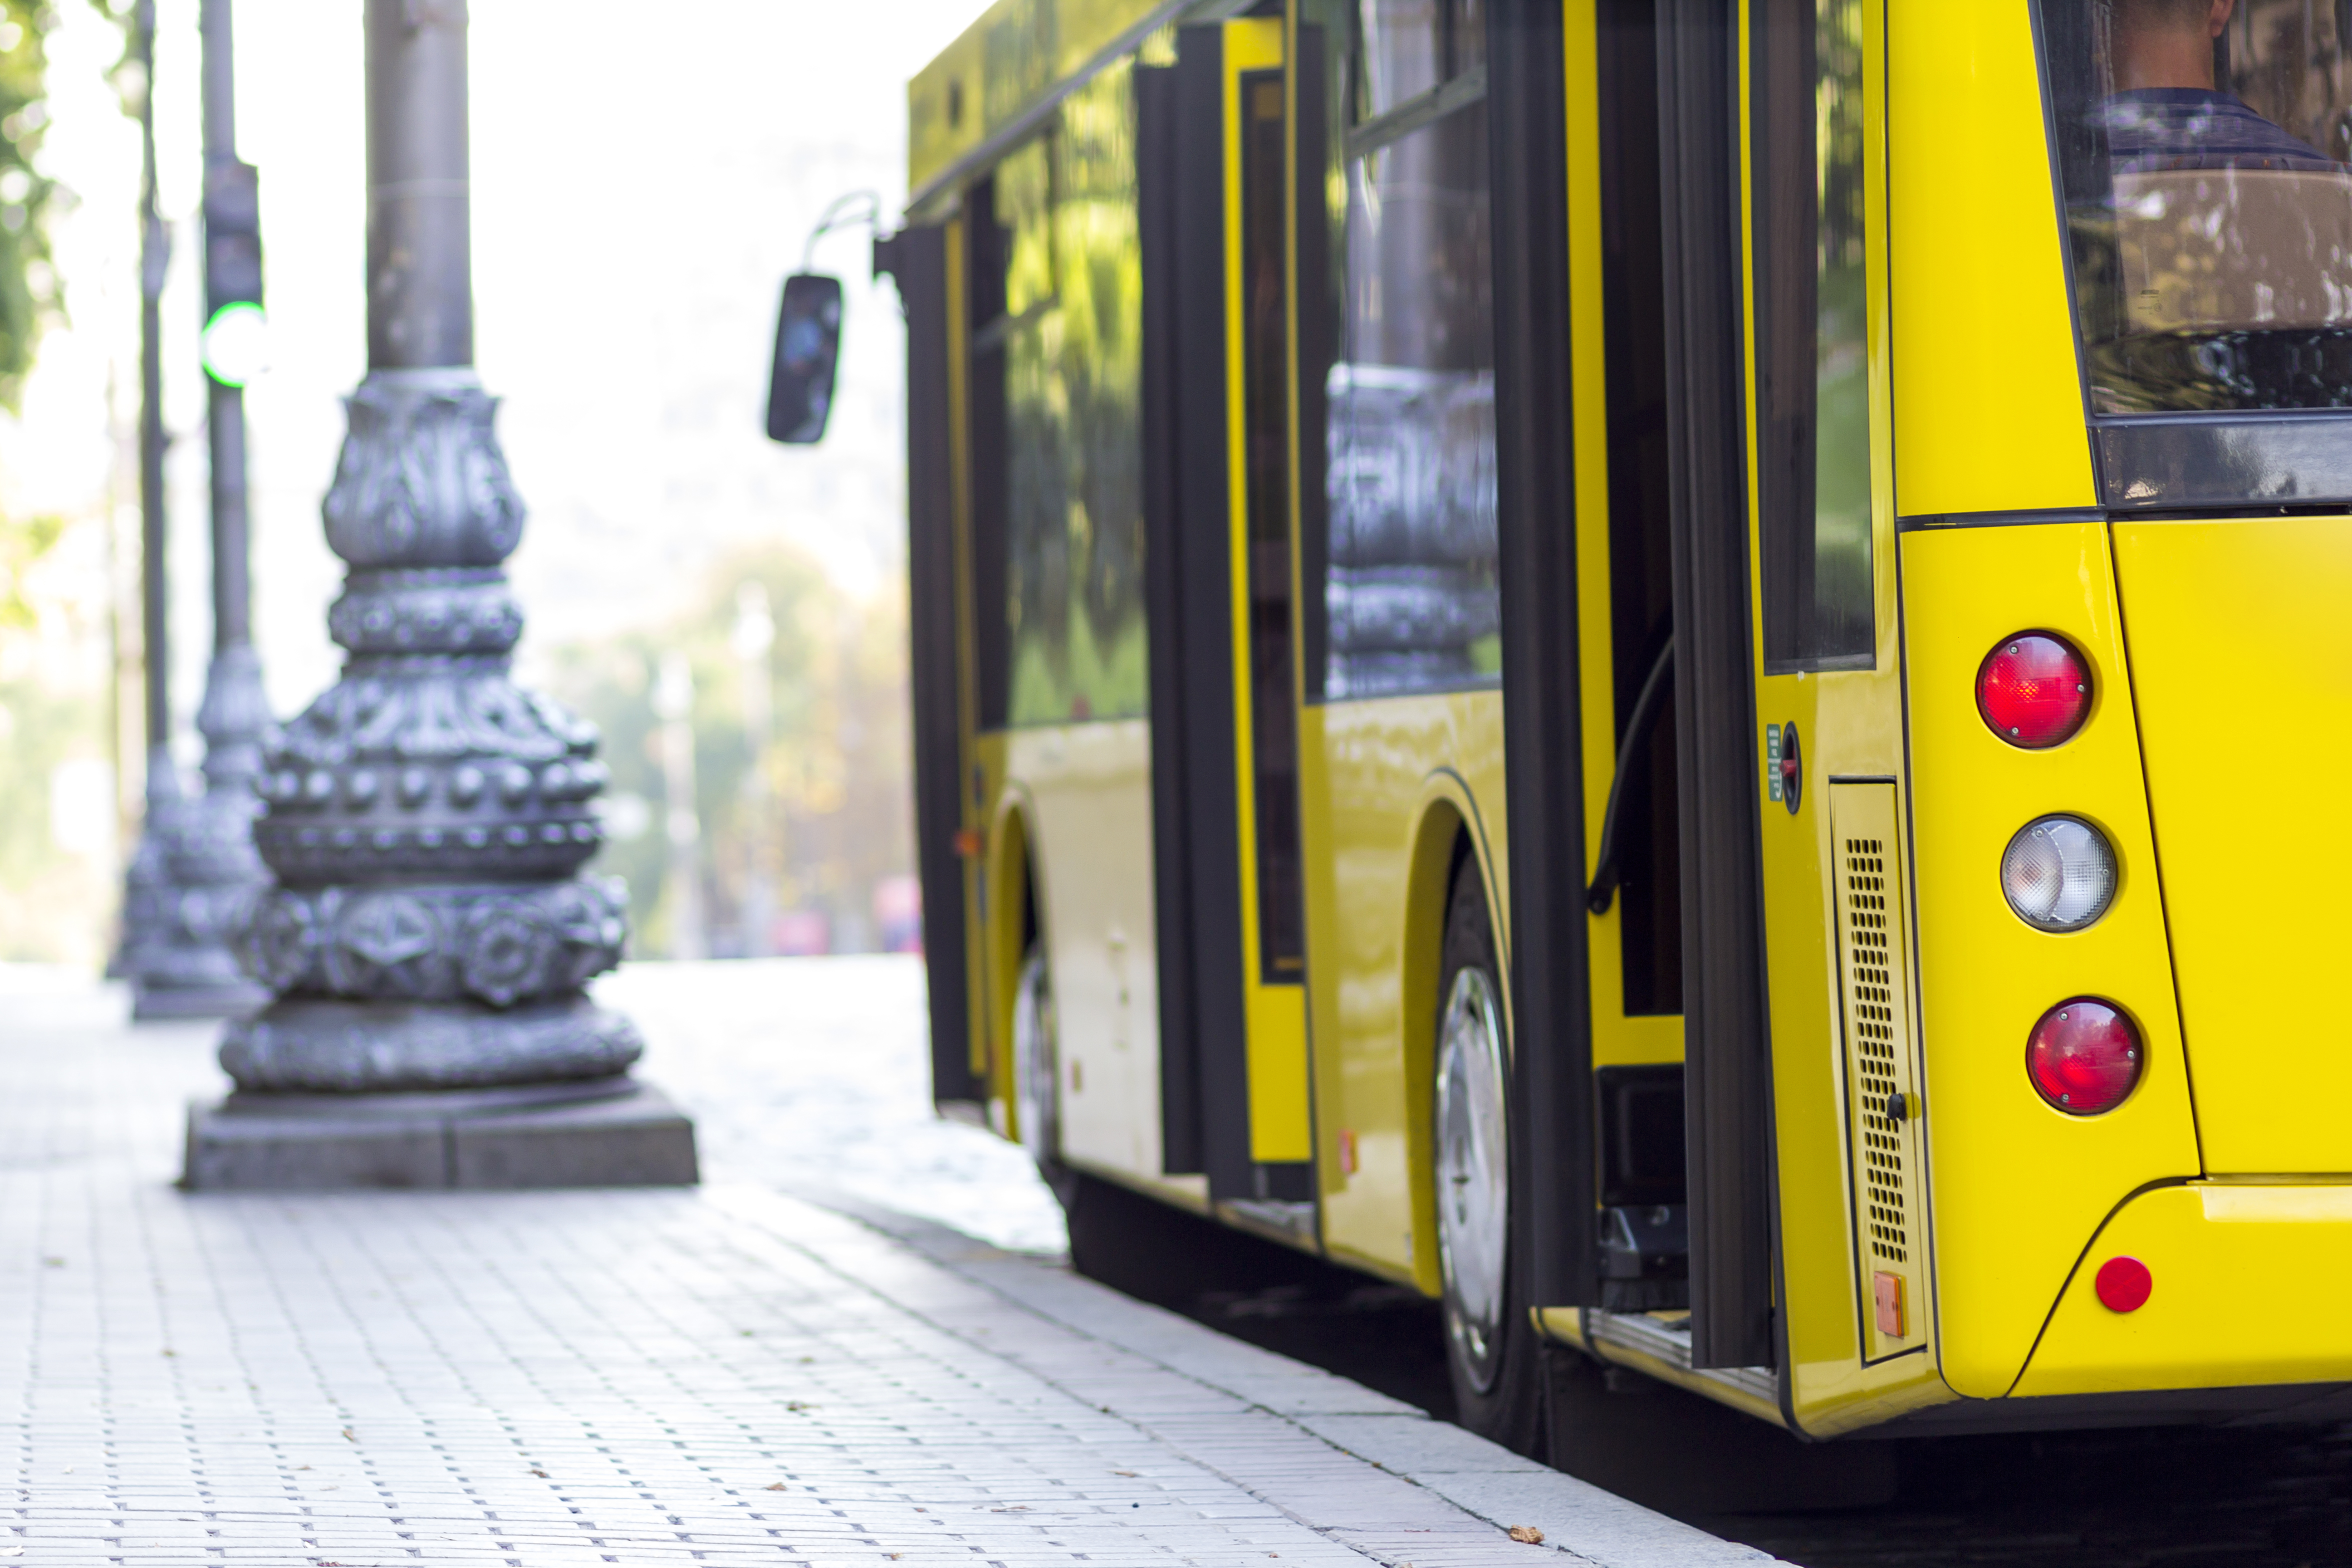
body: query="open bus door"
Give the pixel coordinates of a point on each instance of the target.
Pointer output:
(1798, 1076)
(1643, 1053)
(1212, 134)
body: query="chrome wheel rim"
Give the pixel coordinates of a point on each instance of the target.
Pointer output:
(1472, 1171)
(1033, 1064)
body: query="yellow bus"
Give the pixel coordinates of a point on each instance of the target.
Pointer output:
(1629, 661)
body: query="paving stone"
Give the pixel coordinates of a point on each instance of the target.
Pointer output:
(645, 1376)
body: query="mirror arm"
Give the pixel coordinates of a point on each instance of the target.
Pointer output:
(835, 218)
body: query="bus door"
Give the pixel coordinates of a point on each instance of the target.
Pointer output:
(1626, 663)
(1820, 1095)
(1742, 720)
(1230, 891)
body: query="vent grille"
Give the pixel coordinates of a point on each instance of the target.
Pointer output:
(1870, 1026)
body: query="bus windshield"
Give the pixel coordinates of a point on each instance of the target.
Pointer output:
(2202, 149)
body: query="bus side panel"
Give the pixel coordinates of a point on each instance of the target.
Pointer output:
(1381, 767)
(921, 268)
(1979, 278)
(1087, 793)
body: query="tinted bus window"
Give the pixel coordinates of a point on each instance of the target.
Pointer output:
(1812, 335)
(1409, 598)
(2201, 147)
(1072, 339)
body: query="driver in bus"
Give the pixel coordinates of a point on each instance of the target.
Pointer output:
(2167, 112)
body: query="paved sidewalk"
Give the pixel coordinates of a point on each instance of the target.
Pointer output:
(720, 1377)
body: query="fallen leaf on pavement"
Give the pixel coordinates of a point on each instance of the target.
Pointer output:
(1527, 1535)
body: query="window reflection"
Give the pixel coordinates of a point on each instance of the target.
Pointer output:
(1410, 594)
(2201, 147)
(1409, 46)
(1071, 334)
(1812, 334)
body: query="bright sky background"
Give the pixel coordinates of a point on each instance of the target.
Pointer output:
(644, 178)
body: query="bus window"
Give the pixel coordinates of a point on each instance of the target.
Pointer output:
(1265, 418)
(1641, 568)
(1071, 336)
(1408, 588)
(1812, 368)
(987, 243)
(2202, 148)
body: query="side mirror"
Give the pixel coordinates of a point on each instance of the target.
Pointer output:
(808, 342)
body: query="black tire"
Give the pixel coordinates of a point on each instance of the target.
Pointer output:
(1037, 1068)
(1493, 1358)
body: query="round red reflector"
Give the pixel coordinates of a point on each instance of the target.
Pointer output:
(2033, 689)
(2123, 1284)
(2083, 1056)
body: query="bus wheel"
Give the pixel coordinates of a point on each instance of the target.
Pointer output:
(1036, 1066)
(1490, 1350)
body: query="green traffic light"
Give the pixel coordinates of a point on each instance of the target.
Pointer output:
(235, 343)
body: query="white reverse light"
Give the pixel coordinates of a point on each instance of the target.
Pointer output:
(2058, 873)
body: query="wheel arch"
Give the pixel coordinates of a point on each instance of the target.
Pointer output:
(1447, 834)
(1013, 892)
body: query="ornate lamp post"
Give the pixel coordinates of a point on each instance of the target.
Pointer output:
(429, 934)
(195, 874)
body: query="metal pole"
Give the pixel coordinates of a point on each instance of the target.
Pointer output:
(201, 873)
(755, 637)
(232, 581)
(194, 873)
(681, 818)
(428, 934)
(155, 260)
(420, 233)
(236, 712)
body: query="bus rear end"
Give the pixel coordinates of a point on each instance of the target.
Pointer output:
(2124, 467)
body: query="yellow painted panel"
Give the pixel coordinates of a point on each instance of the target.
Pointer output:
(2246, 1279)
(1849, 724)
(1985, 375)
(1281, 1104)
(1617, 1039)
(1084, 796)
(1001, 65)
(1384, 783)
(2241, 648)
(2016, 1187)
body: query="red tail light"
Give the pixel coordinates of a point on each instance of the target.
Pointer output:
(2033, 689)
(2083, 1056)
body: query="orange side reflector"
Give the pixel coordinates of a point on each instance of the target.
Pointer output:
(1887, 1289)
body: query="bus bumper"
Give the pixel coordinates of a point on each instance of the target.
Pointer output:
(2211, 1251)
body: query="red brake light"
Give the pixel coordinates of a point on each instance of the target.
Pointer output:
(2033, 689)
(2083, 1056)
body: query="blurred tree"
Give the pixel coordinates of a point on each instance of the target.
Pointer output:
(29, 295)
(21, 544)
(837, 796)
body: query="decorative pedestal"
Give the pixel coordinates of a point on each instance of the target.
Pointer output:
(188, 889)
(610, 1132)
(429, 934)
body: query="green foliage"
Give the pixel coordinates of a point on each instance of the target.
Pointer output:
(28, 284)
(839, 810)
(21, 544)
